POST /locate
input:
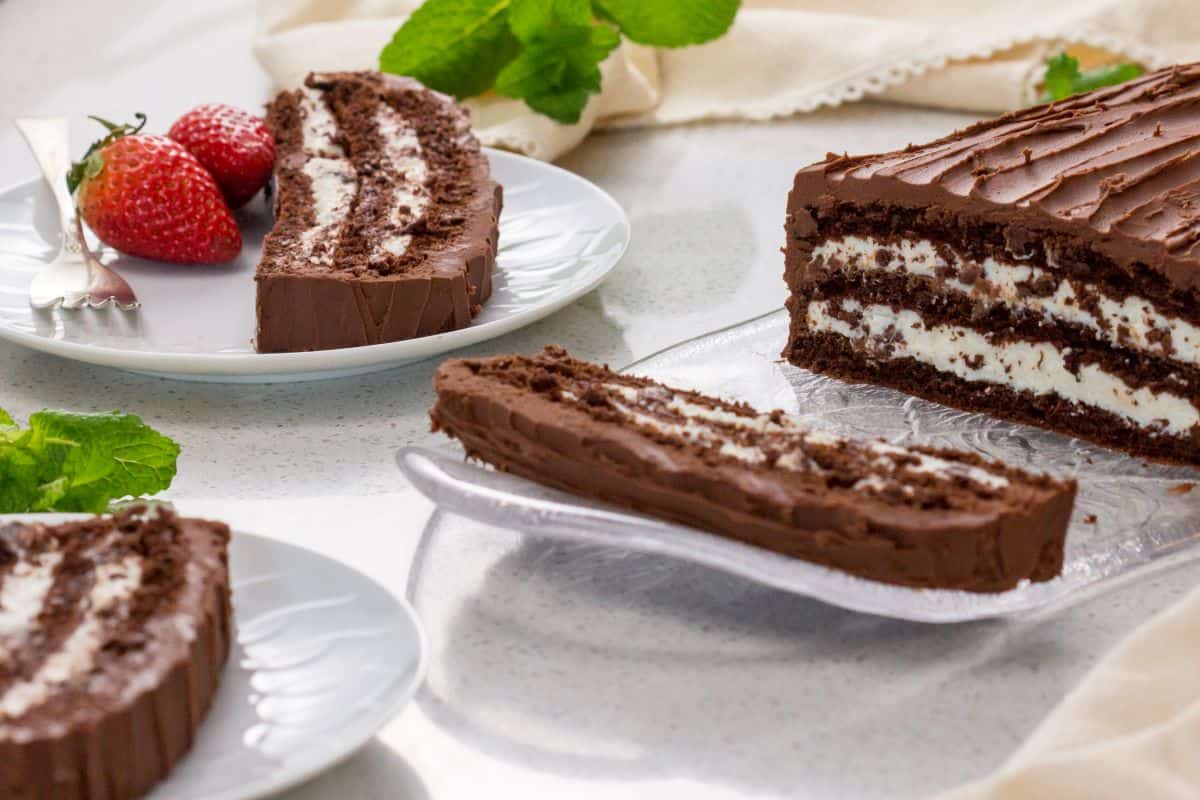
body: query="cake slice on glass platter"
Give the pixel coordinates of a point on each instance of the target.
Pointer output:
(909, 515)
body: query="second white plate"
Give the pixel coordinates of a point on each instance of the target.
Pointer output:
(324, 658)
(559, 237)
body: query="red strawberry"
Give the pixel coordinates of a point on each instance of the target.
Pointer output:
(148, 196)
(234, 145)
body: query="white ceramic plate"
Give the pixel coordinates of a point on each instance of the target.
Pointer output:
(559, 237)
(1130, 516)
(325, 657)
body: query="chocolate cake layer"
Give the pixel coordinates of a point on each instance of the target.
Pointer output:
(915, 516)
(386, 216)
(1045, 260)
(113, 635)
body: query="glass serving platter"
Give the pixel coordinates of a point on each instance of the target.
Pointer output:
(1130, 515)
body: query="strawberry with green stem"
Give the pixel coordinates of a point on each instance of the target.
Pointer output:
(147, 196)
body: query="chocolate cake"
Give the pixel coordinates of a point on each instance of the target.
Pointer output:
(1043, 267)
(385, 216)
(113, 634)
(916, 516)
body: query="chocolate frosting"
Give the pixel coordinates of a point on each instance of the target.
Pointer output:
(349, 292)
(118, 733)
(550, 418)
(1116, 169)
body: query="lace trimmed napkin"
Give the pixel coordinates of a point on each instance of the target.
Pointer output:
(779, 58)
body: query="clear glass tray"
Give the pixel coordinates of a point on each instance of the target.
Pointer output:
(1130, 515)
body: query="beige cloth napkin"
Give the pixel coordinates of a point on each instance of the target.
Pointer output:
(1130, 730)
(781, 57)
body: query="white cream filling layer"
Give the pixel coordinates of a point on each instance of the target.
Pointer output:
(402, 149)
(1139, 316)
(886, 457)
(332, 177)
(333, 183)
(23, 593)
(1036, 367)
(334, 180)
(318, 127)
(114, 583)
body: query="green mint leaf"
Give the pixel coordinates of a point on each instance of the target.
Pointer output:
(565, 106)
(545, 52)
(1107, 76)
(5, 419)
(81, 462)
(670, 23)
(19, 486)
(1064, 79)
(51, 494)
(103, 457)
(454, 46)
(1061, 72)
(556, 75)
(534, 20)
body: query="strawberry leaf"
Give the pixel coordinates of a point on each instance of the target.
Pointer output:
(90, 165)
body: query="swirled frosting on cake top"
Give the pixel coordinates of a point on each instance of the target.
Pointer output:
(1118, 169)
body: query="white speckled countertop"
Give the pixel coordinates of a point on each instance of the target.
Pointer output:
(558, 672)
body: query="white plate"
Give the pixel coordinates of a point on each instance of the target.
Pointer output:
(325, 657)
(559, 237)
(1129, 516)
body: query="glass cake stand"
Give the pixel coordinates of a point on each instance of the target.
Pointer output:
(1130, 515)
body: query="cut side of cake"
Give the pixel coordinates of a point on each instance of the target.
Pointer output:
(915, 516)
(113, 635)
(1043, 267)
(385, 216)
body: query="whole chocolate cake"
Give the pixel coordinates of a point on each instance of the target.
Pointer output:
(113, 635)
(385, 216)
(1043, 266)
(917, 516)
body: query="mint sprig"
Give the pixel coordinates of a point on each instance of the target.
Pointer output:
(545, 52)
(64, 461)
(1063, 77)
(670, 23)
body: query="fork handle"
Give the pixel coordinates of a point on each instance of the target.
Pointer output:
(50, 140)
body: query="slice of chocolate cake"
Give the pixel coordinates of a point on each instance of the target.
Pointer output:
(385, 216)
(917, 516)
(113, 635)
(1043, 267)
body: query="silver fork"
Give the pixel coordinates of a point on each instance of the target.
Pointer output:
(74, 278)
